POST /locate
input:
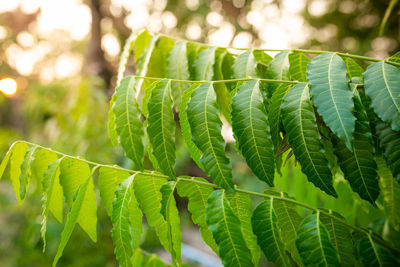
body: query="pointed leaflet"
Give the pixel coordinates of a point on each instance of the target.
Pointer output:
(298, 66)
(127, 222)
(331, 95)
(161, 127)
(278, 69)
(251, 130)
(262, 60)
(340, 237)
(353, 69)
(129, 126)
(242, 206)
(268, 234)
(245, 65)
(5, 160)
(204, 64)
(205, 124)
(300, 124)
(73, 173)
(314, 245)
(227, 231)
(177, 68)
(382, 85)
(171, 215)
(359, 167)
(197, 195)
(390, 143)
(108, 181)
(395, 58)
(17, 157)
(224, 98)
(74, 214)
(26, 173)
(372, 254)
(390, 190)
(195, 153)
(147, 191)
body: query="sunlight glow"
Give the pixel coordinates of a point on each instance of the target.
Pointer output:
(8, 86)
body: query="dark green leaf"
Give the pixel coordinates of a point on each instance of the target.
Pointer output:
(389, 141)
(353, 69)
(372, 254)
(395, 58)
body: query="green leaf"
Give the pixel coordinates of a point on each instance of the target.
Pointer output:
(17, 157)
(274, 119)
(204, 64)
(268, 234)
(153, 260)
(74, 214)
(389, 141)
(178, 68)
(358, 166)
(242, 207)
(314, 245)
(161, 127)
(137, 258)
(112, 132)
(195, 153)
(353, 69)
(340, 237)
(298, 66)
(326, 75)
(372, 254)
(205, 124)
(224, 98)
(390, 191)
(227, 231)
(395, 58)
(300, 124)
(141, 42)
(129, 126)
(251, 130)
(73, 173)
(108, 181)
(245, 65)
(278, 69)
(6, 158)
(147, 192)
(382, 85)
(26, 173)
(197, 195)
(193, 49)
(43, 158)
(171, 215)
(127, 222)
(157, 66)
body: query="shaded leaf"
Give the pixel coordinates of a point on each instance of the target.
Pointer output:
(278, 69)
(26, 172)
(245, 65)
(298, 66)
(204, 64)
(353, 69)
(372, 254)
(389, 141)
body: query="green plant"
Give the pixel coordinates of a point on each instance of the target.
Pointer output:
(326, 111)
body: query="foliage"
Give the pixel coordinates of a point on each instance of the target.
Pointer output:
(318, 111)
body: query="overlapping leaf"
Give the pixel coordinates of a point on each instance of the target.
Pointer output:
(17, 157)
(245, 65)
(26, 173)
(353, 69)
(205, 124)
(390, 143)
(278, 69)
(300, 124)
(331, 94)
(251, 129)
(372, 254)
(204, 64)
(298, 66)
(224, 97)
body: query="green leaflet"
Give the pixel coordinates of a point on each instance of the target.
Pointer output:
(127, 222)
(52, 196)
(17, 157)
(224, 98)
(340, 237)
(197, 195)
(268, 234)
(251, 129)
(108, 181)
(26, 172)
(262, 59)
(171, 215)
(205, 124)
(137, 258)
(372, 254)
(298, 66)
(141, 42)
(227, 231)
(6, 158)
(275, 122)
(204, 64)
(112, 132)
(73, 173)
(158, 63)
(195, 153)
(300, 124)
(314, 245)
(395, 58)
(382, 85)
(147, 192)
(278, 69)
(331, 94)
(178, 68)
(390, 191)
(74, 214)
(353, 69)
(153, 260)
(245, 65)
(193, 49)
(129, 126)
(43, 158)
(161, 127)
(358, 166)
(390, 143)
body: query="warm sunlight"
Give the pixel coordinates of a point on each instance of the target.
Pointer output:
(8, 86)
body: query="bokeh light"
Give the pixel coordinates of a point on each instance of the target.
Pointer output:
(8, 86)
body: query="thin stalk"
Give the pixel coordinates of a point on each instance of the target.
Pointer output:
(192, 180)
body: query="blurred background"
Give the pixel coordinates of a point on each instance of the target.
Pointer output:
(58, 61)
